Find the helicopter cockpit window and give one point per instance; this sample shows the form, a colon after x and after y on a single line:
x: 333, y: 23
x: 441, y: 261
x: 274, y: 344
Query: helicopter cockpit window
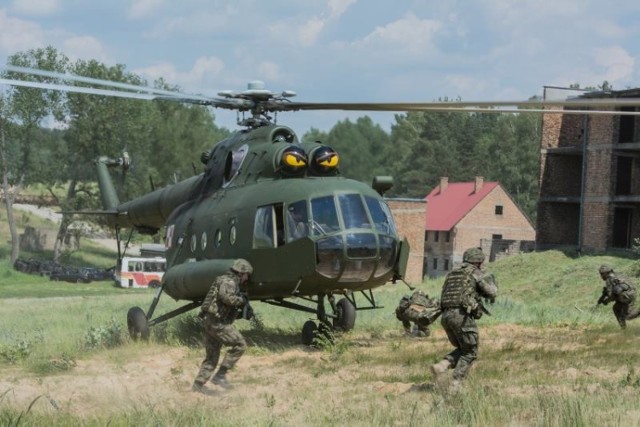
x: 324, y: 215
x: 297, y: 220
x: 354, y: 214
x: 233, y: 163
x: 381, y: 215
x: 264, y: 228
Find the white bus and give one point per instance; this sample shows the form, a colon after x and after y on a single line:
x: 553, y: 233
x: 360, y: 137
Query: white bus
x: 140, y: 272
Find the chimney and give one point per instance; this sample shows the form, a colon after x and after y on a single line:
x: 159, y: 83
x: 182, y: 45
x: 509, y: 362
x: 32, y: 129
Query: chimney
x: 479, y: 182
x: 444, y: 182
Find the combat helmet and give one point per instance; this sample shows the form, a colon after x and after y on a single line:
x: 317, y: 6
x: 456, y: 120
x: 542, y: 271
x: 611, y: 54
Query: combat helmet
x: 605, y: 269
x: 473, y: 255
x: 242, y: 266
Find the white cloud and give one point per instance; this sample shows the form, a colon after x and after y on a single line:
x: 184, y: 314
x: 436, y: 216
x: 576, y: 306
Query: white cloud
x: 409, y: 35
x: 143, y: 8
x: 204, y: 69
x: 35, y: 7
x: 85, y: 47
x: 269, y: 71
x: 338, y: 7
x: 617, y: 62
x: 311, y: 29
x: 17, y: 34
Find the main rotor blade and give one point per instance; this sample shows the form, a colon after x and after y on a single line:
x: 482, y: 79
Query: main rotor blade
x: 233, y: 104
x: 89, y: 80
x: 78, y: 89
x: 448, y: 106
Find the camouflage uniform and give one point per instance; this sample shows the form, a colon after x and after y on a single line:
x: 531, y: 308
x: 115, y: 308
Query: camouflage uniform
x: 221, y: 308
x: 622, y: 291
x: 414, y: 308
x: 461, y: 306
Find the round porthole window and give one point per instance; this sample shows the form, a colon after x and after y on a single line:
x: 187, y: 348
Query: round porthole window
x: 218, y: 238
x: 232, y: 234
x: 203, y: 241
x: 194, y: 243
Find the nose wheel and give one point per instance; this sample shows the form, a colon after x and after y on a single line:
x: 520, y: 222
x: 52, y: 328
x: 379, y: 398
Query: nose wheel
x: 344, y: 319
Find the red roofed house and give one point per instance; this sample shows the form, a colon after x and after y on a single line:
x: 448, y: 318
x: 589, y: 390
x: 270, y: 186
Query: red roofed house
x: 462, y: 215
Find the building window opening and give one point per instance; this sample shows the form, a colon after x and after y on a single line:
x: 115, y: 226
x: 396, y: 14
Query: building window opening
x: 499, y: 209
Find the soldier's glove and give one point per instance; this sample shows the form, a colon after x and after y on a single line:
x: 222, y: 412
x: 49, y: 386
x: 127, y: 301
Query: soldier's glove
x: 491, y: 300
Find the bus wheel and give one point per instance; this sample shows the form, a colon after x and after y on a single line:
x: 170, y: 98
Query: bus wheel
x: 137, y: 324
x: 154, y: 284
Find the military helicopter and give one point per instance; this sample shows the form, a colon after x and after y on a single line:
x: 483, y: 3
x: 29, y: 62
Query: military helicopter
x: 310, y: 233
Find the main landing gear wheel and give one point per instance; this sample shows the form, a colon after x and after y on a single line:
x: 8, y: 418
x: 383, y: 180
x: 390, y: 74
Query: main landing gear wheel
x: 137, y: 324
x: 345, y: 318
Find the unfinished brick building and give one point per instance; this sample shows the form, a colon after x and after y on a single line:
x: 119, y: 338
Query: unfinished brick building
x: 589, y: 180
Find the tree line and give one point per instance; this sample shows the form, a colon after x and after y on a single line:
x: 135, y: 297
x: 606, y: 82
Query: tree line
x: 166, y: 139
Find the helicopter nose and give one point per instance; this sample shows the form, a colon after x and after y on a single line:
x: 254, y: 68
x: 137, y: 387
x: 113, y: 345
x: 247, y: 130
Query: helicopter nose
x: 355, y: 257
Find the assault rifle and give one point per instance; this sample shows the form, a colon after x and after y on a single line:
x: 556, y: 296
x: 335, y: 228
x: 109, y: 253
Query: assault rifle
x: 604, y: 298
x: 246, y: 312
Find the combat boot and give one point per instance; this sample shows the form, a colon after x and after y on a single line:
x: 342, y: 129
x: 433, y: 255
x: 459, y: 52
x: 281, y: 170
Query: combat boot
x: 439, y: 371
x: 201, y: 388
x: 455, y: 387
x: 440, y: 368
x: 220, y: 378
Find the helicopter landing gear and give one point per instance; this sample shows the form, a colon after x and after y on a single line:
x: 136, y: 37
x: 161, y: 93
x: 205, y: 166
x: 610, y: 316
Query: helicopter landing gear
x: 344, y: 319
x: 137, y: 324
x: 311, y: 331
x: 345, y: 314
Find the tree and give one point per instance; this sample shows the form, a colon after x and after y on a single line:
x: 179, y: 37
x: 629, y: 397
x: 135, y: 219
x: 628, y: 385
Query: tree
x: 360, y: 145
x: 27, y: 107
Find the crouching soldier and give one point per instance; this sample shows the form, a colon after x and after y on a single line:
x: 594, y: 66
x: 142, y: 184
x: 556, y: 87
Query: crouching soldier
x: 420, y: 310
x: 622, y: 292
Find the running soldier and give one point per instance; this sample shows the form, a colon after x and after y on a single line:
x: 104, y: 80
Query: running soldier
x: 461, y: 304
x: 221, y: 307
x: 620, y: 290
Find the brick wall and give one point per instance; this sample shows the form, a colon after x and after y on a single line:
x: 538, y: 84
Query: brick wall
x: 482, y: 223
x: 409, y: 216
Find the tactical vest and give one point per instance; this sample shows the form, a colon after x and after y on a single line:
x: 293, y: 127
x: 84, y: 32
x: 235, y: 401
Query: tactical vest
x: 459, y: 289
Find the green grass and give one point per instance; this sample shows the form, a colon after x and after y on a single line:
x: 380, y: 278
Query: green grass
x: 548, y: 355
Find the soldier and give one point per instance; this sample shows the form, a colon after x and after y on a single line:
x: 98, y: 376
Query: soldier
x: 621, y: 290
x: 219, y: 310
x: 419, y: 309
x: 461, y: 306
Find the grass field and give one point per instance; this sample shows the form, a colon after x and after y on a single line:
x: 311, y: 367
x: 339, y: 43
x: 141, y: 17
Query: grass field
x: 548, y: 356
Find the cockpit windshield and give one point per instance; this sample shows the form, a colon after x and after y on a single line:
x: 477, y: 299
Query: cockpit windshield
x: 355, y: 234
x: 324, y: 216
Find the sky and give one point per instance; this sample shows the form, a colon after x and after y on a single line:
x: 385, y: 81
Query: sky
x: 343, y: 50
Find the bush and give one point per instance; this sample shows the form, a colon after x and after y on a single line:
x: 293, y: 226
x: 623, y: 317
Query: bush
x: 107, y: 336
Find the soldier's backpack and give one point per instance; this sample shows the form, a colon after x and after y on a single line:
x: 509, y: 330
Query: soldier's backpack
x: 623, y: 292
x: 419, y: 308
